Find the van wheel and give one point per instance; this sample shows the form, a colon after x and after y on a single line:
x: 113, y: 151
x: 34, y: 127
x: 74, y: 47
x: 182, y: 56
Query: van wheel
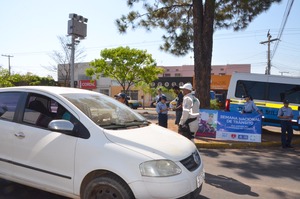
x: 108, y: 187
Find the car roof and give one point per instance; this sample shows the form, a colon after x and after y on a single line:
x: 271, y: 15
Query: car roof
x: 47, y: 89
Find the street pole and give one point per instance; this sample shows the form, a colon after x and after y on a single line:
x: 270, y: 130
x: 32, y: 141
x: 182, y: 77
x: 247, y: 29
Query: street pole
x: 268, y: 68
x: 8, y: 56
x: 72, y: 60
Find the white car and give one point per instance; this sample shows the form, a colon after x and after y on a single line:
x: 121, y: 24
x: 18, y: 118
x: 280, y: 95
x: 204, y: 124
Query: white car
x: 82, y: 144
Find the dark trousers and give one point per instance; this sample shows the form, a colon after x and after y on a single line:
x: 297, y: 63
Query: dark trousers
x: 163, y: 120
x: 185, y: 131
x: 178, y: 116
x: 286, y: 126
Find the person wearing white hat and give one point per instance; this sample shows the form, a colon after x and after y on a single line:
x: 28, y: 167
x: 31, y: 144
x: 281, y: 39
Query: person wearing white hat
x: 189, y: 121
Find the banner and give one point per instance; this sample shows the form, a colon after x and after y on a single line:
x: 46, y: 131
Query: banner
x: 207, y: 123
x: 239, y: 127
x: 230, y: 126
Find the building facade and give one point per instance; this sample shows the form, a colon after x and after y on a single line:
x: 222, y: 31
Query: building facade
x: 188, y: 70
x: 173, y: 75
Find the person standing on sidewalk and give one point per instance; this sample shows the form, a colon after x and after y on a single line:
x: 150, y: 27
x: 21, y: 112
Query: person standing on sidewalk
x: 250, y: 106
x: 178, y: 108
x: 159, y: 95
x: 189, y: 121
x: 162, y: 110
x: 285, y: 114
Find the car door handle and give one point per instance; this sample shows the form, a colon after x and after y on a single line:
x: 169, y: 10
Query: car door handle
x: 20, y: 135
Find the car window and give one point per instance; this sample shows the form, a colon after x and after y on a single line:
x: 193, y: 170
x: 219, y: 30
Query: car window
x: 36, y: 111
x: 41, y: 110
x: 8, y: 104
x: 103, y: 110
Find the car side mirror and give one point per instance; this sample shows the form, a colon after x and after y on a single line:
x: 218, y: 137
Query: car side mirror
x: 61, y: 125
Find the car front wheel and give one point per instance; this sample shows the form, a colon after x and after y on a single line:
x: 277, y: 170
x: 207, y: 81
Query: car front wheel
x: 108, y: 187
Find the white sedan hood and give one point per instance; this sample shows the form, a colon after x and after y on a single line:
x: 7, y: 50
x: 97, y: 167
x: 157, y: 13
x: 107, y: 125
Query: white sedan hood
x: 153, y: 141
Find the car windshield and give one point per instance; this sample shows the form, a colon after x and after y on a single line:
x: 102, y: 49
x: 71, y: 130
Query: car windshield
x: 106, y: 111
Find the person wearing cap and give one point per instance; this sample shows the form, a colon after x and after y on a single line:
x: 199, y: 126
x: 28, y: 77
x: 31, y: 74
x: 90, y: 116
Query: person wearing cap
x: 121, y: 97
x: 178, y: 107
x: 250, y: 106
x: 159, y: 95
x: 285, y: 114
x: 189, y: 121
x: 162, y: 110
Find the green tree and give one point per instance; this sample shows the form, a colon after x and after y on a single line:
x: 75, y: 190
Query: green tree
x: 190, y: 24
x: 125, y: 65
x: 7, y: 80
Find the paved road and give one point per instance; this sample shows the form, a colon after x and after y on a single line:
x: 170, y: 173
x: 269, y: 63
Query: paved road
x: 230, y: 174
x: 245, y: 173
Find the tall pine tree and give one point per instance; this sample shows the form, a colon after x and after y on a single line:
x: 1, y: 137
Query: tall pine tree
x: 189, y: 26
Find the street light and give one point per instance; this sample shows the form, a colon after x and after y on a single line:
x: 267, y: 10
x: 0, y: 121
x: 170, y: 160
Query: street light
x: 77, y: 28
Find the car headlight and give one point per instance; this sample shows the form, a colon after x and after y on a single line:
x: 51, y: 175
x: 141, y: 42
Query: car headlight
x: 159, y: 168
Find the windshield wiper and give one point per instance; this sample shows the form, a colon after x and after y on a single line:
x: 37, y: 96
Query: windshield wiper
x: 132, y: 123
x: 113, y: 126
x: 138, y: 123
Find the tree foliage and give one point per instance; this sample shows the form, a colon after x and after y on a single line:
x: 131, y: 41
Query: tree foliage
x: 125, y: 65
x: 189, y: 26
x: 7, y: 80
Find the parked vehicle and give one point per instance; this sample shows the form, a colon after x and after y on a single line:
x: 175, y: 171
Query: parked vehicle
x: 134, y: 104
x: 268, y: 93
x: 83, y: 144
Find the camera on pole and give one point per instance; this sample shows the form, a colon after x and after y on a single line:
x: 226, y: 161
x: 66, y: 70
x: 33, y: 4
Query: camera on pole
x: 77, y: 28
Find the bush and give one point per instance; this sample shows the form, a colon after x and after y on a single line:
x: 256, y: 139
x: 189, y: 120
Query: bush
x: 214, y: 104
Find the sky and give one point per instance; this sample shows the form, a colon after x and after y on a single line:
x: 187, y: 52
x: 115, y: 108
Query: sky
x: 29, y: 31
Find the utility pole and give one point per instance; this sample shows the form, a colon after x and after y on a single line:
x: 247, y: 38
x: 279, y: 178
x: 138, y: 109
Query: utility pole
x: 268, y: 68
x: 8, y: 56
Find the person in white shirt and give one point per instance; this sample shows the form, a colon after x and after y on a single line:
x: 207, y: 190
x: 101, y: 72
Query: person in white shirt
x: 189, y: 121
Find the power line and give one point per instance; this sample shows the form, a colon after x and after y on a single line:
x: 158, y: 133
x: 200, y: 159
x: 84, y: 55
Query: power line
x: 283, y: 23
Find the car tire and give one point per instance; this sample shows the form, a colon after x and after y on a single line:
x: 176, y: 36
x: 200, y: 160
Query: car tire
x: 109, y: 187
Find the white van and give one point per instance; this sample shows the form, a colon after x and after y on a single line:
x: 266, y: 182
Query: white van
x: 83, y: 144
x: 268, y: 93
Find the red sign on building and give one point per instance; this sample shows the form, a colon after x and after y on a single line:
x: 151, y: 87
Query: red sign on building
x: 87, y: 84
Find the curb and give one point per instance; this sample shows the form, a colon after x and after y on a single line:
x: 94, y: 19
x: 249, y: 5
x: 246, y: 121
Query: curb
x: 239, y: 145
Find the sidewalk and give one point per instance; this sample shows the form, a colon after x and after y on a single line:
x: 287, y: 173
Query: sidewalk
x: 270, y: 135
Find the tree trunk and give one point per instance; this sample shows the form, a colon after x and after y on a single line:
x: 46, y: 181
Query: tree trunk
x: 203, y: 36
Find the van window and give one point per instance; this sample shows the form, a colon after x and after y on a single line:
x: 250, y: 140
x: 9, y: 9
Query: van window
x: 276, y: 91
x: 253, y: 88
x: 279, y: 92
